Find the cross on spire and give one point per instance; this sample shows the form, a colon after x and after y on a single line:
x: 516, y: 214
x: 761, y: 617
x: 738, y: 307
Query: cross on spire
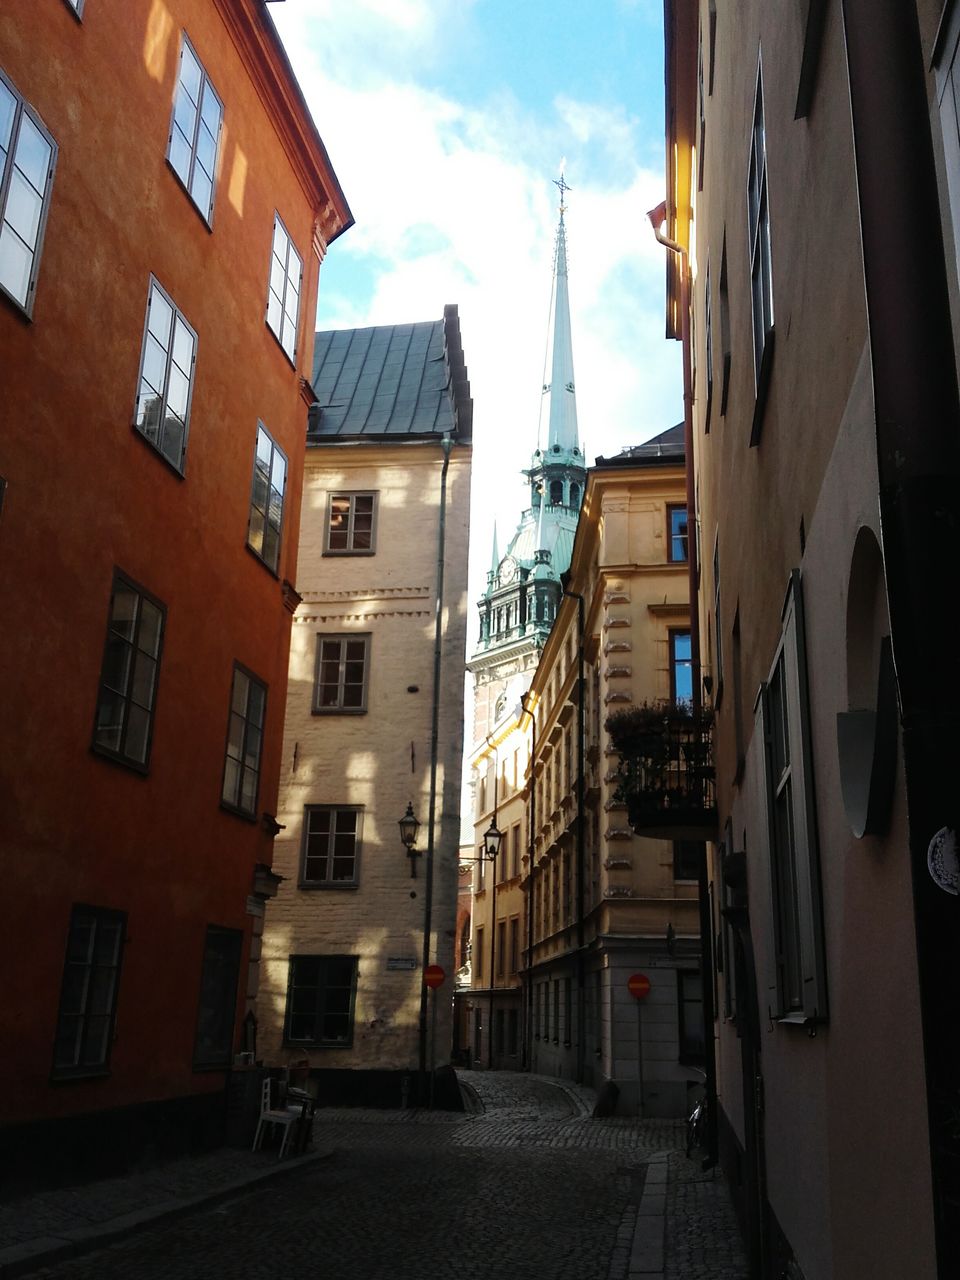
x: 564, y: 186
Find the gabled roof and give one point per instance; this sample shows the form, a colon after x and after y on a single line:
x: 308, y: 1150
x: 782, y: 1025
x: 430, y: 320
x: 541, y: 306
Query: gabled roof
x: 391, y: 380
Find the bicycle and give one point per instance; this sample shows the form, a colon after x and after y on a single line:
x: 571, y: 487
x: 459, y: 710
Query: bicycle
x: 697, y: 1123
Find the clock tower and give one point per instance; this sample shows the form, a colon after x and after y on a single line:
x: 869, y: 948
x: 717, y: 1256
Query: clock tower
x: 523, y: 588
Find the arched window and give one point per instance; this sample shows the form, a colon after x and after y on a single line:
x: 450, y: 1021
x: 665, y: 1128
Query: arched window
x: 556, y: 492
x: 574, y: 495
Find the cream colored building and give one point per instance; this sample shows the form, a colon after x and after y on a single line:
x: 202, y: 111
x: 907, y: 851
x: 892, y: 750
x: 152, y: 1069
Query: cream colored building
x: 813, y: 184
x: 374, y: 717
x: 607, y: 904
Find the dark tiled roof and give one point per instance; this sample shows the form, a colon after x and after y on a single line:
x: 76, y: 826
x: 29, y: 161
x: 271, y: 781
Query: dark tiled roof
x: 391, y: 380
x: 668, y: 445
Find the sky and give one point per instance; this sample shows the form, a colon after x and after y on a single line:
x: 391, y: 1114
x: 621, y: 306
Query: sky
x: 447, y: 122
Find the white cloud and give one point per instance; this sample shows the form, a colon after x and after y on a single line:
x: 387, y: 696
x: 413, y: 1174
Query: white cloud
x: 453, y: 203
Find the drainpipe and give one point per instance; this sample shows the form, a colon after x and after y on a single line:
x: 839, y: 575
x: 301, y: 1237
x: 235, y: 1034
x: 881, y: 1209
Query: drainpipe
x: 493, y: 901
x: 581, y: 839
x: 446, y: 444
x: 532, y: 845
x: 918, y: 462
x: 657, y: 218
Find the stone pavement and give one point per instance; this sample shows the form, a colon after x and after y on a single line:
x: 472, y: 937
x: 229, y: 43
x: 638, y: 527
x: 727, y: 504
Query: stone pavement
x: 525, y: 1181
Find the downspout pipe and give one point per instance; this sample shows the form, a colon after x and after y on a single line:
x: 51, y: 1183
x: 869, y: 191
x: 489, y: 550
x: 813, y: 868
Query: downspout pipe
x: 493, y: 901
x: 581, y: 840
x: 532, y: 846
x: 917, y: 423
x: 446, y: 444
x: 658, y: 217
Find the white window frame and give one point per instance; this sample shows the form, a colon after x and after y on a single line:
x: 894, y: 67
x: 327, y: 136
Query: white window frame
x: 20, y: 116
x: 267, y: 498
x: 342, y: 640
x: 946, y: 65
x: 176, y: 326
x: 185, y: 167
x: 286, y: 266
x: 759, y: 246
x: 797, y: 911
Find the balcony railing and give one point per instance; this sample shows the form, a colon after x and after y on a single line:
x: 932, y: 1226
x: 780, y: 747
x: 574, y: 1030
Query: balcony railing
x: 666, y: 774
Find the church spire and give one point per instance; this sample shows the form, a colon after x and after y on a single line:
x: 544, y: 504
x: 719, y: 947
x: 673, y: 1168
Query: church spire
x: 562, y: 421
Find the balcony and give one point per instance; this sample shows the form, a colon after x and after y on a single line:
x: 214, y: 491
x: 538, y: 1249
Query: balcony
x: 666, y: 775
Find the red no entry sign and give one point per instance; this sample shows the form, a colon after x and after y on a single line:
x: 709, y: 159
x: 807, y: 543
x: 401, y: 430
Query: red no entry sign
x: 433, y: 975
x: 638, y: 985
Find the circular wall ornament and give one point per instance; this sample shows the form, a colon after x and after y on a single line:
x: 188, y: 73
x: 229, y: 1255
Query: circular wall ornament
x: 942, y: 862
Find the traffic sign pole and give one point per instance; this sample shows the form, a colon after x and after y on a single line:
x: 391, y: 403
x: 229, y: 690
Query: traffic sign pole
x: 434, y: 977
x: 638, y: 984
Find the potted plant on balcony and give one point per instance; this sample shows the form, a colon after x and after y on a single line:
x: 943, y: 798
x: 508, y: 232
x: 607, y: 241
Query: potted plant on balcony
x: 666, y: 772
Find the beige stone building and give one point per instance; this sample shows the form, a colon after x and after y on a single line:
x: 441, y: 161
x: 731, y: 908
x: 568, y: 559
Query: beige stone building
x: 607, y: 904
x: 812, y: 192
x: 374, y: 717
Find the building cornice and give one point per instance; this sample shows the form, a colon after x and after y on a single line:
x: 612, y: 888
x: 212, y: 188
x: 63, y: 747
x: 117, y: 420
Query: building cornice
x: 253, y: 33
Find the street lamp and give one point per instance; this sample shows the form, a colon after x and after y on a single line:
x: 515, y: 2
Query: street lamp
x: 491, y: 840
x: 409, y: 826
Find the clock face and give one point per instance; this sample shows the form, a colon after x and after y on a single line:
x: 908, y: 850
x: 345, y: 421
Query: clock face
x: 508, y: 569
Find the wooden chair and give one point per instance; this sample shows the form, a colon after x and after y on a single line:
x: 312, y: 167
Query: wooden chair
x: 287, y: 1119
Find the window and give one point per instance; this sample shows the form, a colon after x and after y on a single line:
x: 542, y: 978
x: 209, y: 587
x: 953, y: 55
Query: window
x: 241, y: 772
x: 351, y: 524
x: 795, y: 873
x: 217, y: 1008
x: 724, y: 292
x: 717, y: 623
x: 320, y: 1001
x: 677, y: 522
x: 758, y: 221
x: 501, y: 948
x: 681, y: 668
x: 814, y: 22
x: 283, y: 291
x: 195, y: 131
x: 701, y: 113
x: 341, y: 680
x: 708, y: 345
x: 515, y: 852
x: 266, y: 501
x: 478, y: 956
x: 692, y: 1046
x: 514, y: 945
x: 331, y: 846
x: 687, y: 858
x: 88, y: 997
x: 556, y: 492
x: 28, y: 155
x: 167, y: 361
x: 575, y: 496
x: 128, y: 676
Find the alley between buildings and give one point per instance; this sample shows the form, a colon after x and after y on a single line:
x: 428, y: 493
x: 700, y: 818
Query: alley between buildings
x: 525, y: 1182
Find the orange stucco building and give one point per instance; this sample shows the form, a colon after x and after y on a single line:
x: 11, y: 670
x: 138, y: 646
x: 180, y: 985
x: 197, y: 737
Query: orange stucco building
x: 165, y: 201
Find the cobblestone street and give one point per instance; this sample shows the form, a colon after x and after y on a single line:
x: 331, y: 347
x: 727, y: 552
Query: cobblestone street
x: 525, y: 1184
